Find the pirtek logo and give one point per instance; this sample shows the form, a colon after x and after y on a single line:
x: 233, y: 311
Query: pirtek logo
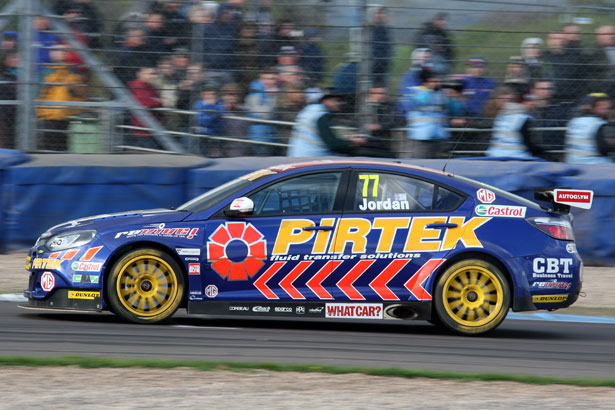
x: 415, y: 233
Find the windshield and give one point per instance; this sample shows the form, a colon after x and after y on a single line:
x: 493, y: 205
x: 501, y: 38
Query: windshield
x: 213, y: 196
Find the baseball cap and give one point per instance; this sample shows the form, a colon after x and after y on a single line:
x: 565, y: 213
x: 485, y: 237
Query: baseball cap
x: 477, y: 61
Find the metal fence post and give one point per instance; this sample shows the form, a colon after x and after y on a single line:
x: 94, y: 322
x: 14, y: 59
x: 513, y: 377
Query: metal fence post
x: 27, y: 76
x: 364, y: 63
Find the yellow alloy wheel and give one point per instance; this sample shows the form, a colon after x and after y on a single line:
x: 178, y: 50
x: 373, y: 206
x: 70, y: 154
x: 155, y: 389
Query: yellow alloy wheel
x: 472, y: 297
x: 146, y: 285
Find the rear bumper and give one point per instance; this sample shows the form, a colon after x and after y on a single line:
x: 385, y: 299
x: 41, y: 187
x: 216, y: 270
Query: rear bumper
x: 545, y: 301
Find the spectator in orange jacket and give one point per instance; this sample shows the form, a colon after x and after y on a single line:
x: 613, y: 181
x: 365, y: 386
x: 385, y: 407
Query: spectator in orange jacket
x: 61, y: 84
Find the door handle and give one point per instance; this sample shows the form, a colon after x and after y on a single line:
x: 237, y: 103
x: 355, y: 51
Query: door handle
x: 318, y: 228
x: 441, y: 226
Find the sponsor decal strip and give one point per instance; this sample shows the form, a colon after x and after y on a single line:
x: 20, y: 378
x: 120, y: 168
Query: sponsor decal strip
x: 345, y: 284
x: 415, y: 283
x: 354, y: 310
x: 68, y: 255
x: 287, y: 283
x: 77, y: 294
x: 379, y: 284
x: 549, y: 298
x: 261, y: 282
x: 91, y: 253
x: 315, y: 284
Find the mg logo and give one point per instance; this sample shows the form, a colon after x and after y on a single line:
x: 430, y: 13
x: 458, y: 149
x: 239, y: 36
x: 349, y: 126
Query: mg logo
x: 211, y: 291
x: 485, y: 196
x: 48, y: 281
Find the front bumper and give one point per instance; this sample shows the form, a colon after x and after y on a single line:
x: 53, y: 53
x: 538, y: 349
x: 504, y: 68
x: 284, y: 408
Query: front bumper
x: 67, y: 299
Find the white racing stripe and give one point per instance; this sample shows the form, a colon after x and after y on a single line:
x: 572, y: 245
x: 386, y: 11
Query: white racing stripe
x: 13, y: 297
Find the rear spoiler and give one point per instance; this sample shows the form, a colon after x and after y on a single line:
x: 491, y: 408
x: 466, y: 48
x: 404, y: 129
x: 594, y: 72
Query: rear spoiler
x: 563, y: 198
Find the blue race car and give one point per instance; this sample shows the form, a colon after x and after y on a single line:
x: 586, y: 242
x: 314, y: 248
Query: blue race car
x: 322, y: 240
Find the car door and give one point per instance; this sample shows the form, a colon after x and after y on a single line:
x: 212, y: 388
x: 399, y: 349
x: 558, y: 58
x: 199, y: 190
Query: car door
x: 394, y: 228
x: 274, y: 254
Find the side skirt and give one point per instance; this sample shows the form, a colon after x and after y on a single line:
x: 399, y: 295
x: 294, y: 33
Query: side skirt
x: 322, y: 310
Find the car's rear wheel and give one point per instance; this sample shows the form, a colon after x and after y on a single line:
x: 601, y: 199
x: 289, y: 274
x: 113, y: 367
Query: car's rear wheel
x: 145, y: 286
x: 472, y: 297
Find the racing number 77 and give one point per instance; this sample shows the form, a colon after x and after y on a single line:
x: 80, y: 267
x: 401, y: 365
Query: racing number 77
x: 366, y: 178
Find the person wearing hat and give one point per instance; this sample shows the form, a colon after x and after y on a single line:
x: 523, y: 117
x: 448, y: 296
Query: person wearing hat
x: 531, y: 52
x: 313, y: 134
x: 590, y: 139
x: 512, y: 131
x: 476, y: 87
x: 428, y: 109
x: 517, y: 76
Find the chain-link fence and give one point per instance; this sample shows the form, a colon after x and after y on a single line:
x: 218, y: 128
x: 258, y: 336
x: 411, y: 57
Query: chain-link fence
x: 230, y: 78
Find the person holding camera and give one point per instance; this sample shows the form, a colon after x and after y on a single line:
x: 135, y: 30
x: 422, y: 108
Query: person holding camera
x: 428, y: 108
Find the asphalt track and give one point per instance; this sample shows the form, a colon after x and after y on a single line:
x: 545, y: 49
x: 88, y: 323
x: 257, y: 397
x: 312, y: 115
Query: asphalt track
x: 542, y: 348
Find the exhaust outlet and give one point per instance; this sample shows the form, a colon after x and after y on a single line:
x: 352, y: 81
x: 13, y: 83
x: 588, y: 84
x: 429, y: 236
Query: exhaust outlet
x: 401, y: 312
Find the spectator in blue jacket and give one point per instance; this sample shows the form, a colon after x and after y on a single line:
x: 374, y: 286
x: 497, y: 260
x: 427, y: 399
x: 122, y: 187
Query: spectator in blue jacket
x: 476, y: 87
x: 45, y: 40
x: 207, y: 119
x: 420, y: 58
x: 260, y: 104
x: 428, y: 109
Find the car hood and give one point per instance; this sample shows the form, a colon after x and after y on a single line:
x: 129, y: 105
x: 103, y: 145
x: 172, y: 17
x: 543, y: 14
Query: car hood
x: 121, y: 218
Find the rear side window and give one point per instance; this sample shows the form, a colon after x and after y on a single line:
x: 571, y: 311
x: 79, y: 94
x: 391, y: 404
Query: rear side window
x: 382, y: 192
x: 314, y: 193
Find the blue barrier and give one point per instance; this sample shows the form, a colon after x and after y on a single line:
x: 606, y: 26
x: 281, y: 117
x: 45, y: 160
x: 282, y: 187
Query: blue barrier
x: 50, y: 189
x: 8, y: 158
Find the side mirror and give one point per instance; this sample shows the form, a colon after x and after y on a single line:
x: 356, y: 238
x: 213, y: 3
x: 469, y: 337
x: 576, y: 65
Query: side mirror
x: 240, y: 207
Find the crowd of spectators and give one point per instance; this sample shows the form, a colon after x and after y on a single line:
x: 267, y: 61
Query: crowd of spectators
x: 234, y: 75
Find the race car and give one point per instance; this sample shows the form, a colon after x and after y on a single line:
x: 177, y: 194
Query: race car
x: 327, y: 240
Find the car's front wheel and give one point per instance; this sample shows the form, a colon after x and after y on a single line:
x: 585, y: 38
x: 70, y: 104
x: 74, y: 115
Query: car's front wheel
x: 145, y: 286
x: 472, y: 297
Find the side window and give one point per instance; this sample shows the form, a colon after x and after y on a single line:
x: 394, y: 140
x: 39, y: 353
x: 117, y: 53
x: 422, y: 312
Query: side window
x: 303, y: 194
x: 389, y: 192
x: 447, y: 200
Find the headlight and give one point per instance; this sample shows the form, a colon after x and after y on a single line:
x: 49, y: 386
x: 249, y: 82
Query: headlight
x: 69, y: 240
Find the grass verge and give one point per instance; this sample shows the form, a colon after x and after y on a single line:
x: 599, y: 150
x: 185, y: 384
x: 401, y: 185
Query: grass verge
x: 101, y: 362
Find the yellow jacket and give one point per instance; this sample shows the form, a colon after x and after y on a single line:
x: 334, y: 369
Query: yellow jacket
x: 70, y: 88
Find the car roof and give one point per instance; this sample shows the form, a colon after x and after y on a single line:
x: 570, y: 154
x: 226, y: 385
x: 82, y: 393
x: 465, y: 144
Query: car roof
x: 353, y: 164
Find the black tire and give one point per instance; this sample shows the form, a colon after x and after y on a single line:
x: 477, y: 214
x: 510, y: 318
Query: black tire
x: 472, y: 297
x: 145, y: 286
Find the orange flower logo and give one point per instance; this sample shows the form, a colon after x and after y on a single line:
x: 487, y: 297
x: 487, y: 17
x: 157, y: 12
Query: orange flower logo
x: 236, y: 250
